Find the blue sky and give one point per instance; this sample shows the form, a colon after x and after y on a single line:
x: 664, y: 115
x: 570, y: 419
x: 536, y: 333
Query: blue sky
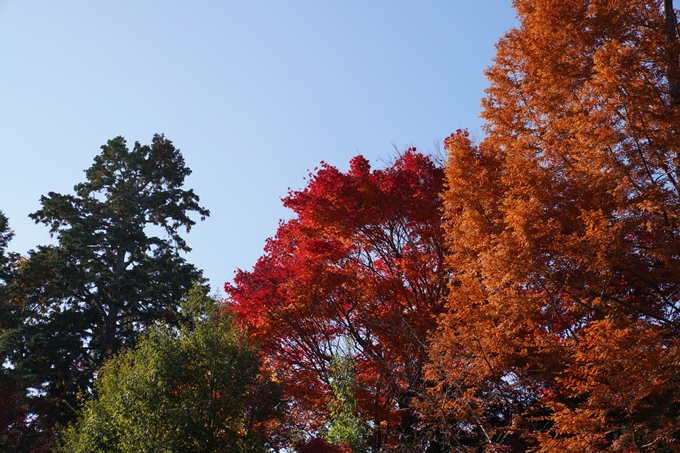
x: 254, y: 93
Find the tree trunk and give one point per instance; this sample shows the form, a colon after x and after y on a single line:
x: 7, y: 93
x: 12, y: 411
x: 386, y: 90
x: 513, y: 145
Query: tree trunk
x: 673, y: 72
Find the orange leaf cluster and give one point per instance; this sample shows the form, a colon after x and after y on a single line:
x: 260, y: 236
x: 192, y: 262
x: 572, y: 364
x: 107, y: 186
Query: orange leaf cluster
x: 563, y: 230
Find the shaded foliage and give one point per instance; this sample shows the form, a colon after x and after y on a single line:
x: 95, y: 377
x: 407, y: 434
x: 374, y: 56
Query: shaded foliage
x: 346, y: 425
x: 18, y: 431
x: 107, y: 279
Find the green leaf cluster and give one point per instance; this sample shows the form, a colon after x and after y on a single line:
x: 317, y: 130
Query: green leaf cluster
x: 347, y: 426
x: 197, y: 388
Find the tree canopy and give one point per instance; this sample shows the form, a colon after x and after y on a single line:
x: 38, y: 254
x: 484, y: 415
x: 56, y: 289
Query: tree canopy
x: 194, y: 389
x: 108, y: 278
x: 562, y: 228
x: 523, y: 296
x: 362, y: 260
x: 17, y: 430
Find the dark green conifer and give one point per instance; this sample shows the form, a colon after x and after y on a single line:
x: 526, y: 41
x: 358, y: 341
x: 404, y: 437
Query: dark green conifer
x: 110, y: 276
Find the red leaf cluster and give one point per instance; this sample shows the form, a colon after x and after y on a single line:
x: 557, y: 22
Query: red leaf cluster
x: 362, y: 261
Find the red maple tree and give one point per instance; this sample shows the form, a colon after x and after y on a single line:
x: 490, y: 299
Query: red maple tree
x: 359, y: 269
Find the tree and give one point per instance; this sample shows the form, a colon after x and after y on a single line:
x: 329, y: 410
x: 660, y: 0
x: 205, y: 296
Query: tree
x: 346, y: 424
x: 194, y: 389
x: 362, y: 260
x: 563, y: 327
x: 6, y: 321
x: 5, y: 236
x: 108, y: 278
x: 6, y: 267
x: 17, y: 430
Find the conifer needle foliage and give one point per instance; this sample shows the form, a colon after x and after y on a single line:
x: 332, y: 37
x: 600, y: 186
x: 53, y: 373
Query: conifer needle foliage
x: 108, y: 278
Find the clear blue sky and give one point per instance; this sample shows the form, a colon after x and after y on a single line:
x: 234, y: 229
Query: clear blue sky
x: 254, y: 93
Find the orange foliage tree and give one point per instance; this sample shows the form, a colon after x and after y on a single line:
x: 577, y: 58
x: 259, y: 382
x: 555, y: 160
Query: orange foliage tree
x: 563, y: 327
x: 358, y: 270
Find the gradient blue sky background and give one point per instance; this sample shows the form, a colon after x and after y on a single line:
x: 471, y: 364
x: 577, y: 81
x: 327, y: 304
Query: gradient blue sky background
x: 254, y: 93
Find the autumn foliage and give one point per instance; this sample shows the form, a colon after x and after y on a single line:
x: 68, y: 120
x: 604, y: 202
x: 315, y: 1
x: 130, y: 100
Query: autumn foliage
x: 360, y: 266
x: 561, y: 329
x: 523, y: 296
x: 562, y: 226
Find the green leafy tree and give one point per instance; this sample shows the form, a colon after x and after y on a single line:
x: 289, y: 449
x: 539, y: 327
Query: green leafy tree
x: 108, y: 278
x: 347, y: 426
x: 194, y: 389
